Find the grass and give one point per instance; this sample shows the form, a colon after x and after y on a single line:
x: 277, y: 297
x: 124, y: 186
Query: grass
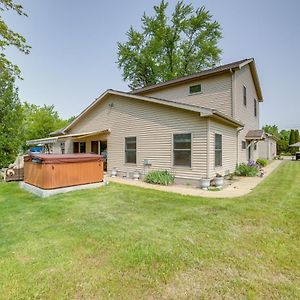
x: 122, y: 242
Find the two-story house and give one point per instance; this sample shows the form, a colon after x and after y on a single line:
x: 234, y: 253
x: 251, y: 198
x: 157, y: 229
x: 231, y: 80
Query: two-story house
x: 194, y: 126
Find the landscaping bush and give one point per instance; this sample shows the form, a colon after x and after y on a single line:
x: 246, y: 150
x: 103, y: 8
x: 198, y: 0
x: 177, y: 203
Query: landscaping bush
x: 159, y: 177
x: 262, y: 162
x: 249, y: 170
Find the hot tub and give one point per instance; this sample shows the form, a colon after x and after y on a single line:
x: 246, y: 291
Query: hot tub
x: 51, y: 171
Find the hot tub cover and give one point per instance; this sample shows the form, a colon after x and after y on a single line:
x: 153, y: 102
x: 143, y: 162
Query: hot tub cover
x: 63, y: 158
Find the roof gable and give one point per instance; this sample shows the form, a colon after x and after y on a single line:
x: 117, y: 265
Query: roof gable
x: 207, y: 73
x: 203, y: 111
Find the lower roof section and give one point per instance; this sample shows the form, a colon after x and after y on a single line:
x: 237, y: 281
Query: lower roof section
x: 255, y: 135
x: 53, y: 140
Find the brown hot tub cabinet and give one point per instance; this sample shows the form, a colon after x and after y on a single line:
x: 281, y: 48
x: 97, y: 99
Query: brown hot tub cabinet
x: 51, y: 171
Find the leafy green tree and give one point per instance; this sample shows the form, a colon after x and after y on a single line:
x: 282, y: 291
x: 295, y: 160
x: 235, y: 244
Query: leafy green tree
x: 169, y: 47
x: 10, y: 37
x: 69, y: 121
x: 39, y: 122
x: 272, y: 129
x: 11, y: 118
x: 292, y: 139
x: 297, y: 137
x: 285, y: 135
x: 282, y: 146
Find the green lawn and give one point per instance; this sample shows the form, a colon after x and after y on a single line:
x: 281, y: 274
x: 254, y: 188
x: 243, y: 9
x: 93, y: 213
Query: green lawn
x: 121, y: 242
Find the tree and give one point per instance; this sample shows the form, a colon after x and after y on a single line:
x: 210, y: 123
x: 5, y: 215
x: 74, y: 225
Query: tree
x: 40, y: 121
x: 272, y: 129
x: 170, y: 47
x: 11, y: 118
x: 282, y: 146
x: 285, y: 135
x: 10, y: 37
x: 292, y: 139
x: 297, y: 137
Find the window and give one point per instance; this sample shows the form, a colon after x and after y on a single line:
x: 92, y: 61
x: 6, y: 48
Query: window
x: 82, y: 147
x: 245, y: 95
x: 130, y: 150
x: 79, y: 147
x: 255, y: 108
x: 75, y: 147
x: 182, y: 148
x: 62, y: 147
x: 95, y: 147
x: 218, y: 150
x: 243, y: 145
x: 195, y: 89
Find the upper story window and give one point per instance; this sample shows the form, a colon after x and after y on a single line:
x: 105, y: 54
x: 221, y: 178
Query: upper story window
x: 130, y: 150
x: 182, y: 149
x: 245, y: 95
x: 255, y: 108
x: 218, y: 150
x: 195, y: 89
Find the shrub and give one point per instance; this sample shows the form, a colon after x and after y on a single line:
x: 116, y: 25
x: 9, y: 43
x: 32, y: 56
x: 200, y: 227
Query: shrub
x: 262, y: 162
x: 159, y: 177
x: 249, y: 170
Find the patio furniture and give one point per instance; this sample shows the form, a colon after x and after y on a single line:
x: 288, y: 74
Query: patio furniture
x: 12, y: 174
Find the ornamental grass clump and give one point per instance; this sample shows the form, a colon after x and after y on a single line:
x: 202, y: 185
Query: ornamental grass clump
x: 262, y: 162
x: 249, y: 170
x: 159, y: 177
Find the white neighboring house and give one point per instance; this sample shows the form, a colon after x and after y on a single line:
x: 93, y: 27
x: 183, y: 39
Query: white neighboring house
x: 268, y: 147
x: 194, y: 126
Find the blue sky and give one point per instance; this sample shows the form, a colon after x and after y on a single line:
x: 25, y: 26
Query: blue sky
x: 74, y: 49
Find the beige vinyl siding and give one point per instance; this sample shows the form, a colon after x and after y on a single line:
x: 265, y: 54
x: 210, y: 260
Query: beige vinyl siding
x: 273, y: 149
x: 267, y: 148
x: 154, y: 126
x: 215, y: 93
x: 243, y: 113
x: 264, y: 149
x: 56, y: 149
x: 229, y: 148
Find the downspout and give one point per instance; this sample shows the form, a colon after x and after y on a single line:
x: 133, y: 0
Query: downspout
x: 208, y: 149
x: 233, y: 91
x: 237, y: 144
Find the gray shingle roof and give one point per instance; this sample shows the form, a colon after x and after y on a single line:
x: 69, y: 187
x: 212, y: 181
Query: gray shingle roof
x: 255, y: 134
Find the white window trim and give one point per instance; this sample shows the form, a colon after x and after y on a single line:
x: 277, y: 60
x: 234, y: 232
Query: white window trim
x: 255, y: 108
x: 172, y: 152
x: 245, y: 145
x: 79, y: 151
x: 196, y: 93
x: 214, y: 137
x: 245, y: 88
x: 136, y: 151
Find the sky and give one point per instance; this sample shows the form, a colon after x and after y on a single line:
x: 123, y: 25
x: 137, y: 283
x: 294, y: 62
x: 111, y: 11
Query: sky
x: 74, y: 49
